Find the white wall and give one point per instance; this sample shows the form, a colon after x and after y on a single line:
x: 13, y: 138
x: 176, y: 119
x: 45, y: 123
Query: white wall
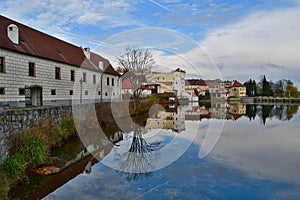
x: 16, y: 77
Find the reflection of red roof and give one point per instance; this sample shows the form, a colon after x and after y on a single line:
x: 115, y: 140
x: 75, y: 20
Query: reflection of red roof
x: 237, y: 84
x: 237, y: 116
x: 179, y: 70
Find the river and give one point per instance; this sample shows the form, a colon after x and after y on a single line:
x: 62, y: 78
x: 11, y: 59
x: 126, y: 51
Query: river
x: 213, y: 151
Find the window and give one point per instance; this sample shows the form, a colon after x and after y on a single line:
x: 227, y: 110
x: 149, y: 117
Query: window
x: 99, y: 93
x: 21, y: 91
x: 106, y: 94
x: 2, y: 65
x: 94, y: 79
x: 57, y: 73
x: 86, y: 92
x: 53, y: 92
x: 71, y: 92
x: 31, y: 69
x: 72, y: 75
x: 113, y: 94
x: 84, y: 77
x: 2, y: 91
x: 112, y: 82
x: 107, y: 80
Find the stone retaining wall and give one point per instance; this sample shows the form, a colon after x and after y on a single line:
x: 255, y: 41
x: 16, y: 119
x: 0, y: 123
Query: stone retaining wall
x: 13, y: 122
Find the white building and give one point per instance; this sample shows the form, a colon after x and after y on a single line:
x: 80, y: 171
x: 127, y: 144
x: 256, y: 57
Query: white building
x: 38, y: 69
x: 169, y: 82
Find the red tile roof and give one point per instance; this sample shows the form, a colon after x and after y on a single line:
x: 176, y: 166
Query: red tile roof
x: 35, y: 43
x: 179, y: 70
x: 237, y: 84
x: 199, y: 82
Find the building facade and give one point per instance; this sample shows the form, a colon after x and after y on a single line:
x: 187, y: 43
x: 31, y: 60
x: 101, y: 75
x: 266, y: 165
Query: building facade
x: 169, y: 82
x: 37, y: 69
x: 237, y: 90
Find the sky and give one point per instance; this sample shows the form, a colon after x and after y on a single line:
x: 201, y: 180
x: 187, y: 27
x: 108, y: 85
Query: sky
x: 227, y: 39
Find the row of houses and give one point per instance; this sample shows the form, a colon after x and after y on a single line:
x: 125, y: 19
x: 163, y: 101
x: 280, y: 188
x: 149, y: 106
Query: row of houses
x: 216, y: 88
x: 176, y: 82
x: 38, y: 69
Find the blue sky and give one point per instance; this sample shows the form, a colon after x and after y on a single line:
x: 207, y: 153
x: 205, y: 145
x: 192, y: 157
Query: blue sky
x: 240, y: 39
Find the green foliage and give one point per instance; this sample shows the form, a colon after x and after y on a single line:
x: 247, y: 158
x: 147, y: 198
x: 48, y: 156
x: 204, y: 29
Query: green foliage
x: 266, y: 89
x: 206, y: 96
x: 35, y: 149
x: 251, y: 88
x: 291, y: 91
x: 15, y: 166
x: 291, y: 110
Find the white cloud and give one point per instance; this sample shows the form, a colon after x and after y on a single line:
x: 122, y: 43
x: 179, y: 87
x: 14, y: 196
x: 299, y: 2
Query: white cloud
x: 58, y: 17
x: 263, y: 43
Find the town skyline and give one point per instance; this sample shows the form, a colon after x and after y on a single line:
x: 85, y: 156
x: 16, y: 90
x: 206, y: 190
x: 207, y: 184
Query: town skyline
x: 240, y: 39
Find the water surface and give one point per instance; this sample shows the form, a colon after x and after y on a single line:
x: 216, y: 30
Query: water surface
x: 255, y: 155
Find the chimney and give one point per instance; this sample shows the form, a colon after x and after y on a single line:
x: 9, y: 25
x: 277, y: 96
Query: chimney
x: 13, y: 33
x: 87, y: 53
x: 101, y: 65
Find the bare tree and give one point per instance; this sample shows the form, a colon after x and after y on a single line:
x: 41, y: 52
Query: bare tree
x: 136, y: 62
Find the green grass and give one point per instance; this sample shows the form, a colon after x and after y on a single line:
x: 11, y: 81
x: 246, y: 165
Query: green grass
x: 33, y: 150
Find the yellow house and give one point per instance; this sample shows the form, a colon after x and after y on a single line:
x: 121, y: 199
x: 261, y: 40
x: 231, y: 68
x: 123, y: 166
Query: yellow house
x: 237, y: 90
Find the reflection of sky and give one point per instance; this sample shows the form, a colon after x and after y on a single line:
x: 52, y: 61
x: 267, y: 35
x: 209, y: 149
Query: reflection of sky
x: 250, y: 161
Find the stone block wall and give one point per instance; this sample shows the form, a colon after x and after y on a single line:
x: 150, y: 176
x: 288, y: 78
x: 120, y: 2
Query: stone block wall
x: 13, y: 122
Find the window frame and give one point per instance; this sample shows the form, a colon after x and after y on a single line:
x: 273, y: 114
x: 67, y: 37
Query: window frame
x: 22, y: 92
x: 31, y: 71
x: 94, y: 78
x: 53, y: 92
x: 84, y: 77
x: 72, y: 75
x: 2, y: 64
x: 57, y: 73
x: 2, y: 90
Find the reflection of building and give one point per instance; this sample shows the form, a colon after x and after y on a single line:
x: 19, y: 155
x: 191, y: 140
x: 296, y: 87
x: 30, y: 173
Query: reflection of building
x: 172, y: 118
x: 216, y: 111
x: 169, y: 82
x: 38, y: 69
x: 237, y: 108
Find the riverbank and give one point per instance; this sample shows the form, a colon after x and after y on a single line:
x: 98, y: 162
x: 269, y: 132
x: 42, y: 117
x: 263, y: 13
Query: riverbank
x: 32, y: 150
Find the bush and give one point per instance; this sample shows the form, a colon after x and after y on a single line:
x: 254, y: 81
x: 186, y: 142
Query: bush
x: 15, y: 166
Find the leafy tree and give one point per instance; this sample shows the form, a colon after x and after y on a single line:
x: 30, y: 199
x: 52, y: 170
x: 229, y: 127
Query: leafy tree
x: 291, y: 91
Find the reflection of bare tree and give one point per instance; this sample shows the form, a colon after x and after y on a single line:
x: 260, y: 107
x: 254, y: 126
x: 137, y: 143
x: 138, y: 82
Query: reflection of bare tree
x: 137, y: 162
